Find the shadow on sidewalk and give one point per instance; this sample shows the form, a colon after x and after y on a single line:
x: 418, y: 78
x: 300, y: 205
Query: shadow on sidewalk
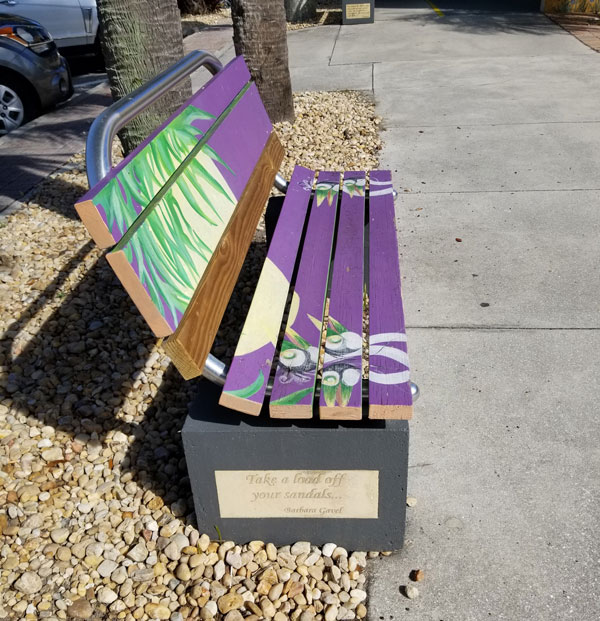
x: 471, y: 17
x: 472, y: 6
x: 30, y: 154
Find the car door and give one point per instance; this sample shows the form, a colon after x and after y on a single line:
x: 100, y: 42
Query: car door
x: 64, y: 19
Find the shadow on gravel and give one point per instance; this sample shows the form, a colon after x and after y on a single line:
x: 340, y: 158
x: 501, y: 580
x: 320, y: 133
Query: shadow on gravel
x: 87, y: 370
x: 53, y: 193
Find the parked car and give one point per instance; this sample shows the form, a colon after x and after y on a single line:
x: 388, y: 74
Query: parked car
x: 73, y: 24
x: 33, y: 75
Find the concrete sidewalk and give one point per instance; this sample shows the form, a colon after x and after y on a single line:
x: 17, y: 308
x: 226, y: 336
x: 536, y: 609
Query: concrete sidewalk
x: 493, y: 134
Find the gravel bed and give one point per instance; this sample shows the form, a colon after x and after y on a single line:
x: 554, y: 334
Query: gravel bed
x: 96, y: 515
x: 195, y: 23
x: 327, y: 14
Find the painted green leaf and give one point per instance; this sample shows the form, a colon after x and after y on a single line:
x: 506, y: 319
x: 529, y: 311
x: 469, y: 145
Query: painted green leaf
x: 345, y: 393
x: 337, y: 326
x: 167, y: 249
x: 293, y: 398
x: 215, y: 156
x: 248, y: 391
x: 300, y: 343
x: 321, y: 195
x: 201, y: 114
x: 329, y: 394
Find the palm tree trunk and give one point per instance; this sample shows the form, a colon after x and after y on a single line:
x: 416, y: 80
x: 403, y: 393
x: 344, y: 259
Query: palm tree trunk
x: 260, y: 34
x: 141, y: 38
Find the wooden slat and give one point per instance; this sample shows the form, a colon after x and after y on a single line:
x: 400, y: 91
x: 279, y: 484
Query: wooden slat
x: 139, y: 294
x: 170, y: 245
x: 341, y: 384
x: 110, y: 207
x: 189, y: 346
x: 295, y: 378
x: 389, y: 386
x: 251, y: 365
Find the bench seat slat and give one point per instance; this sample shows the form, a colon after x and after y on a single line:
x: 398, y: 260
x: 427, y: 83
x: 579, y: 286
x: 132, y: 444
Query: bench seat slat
x: 295, y: 378
x: 389, y: 386
x: 168, y: 248
x: 110, y: 207
x: 249, y: 371
x: 341, y: 385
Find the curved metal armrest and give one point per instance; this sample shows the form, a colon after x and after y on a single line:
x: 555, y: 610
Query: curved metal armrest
x: 98, y: 151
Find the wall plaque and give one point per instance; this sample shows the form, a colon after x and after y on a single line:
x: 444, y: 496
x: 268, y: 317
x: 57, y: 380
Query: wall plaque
x: 358, y: 12
x: 298, y: 493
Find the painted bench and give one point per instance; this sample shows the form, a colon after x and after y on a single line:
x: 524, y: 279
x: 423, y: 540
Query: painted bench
x: 179, y: 214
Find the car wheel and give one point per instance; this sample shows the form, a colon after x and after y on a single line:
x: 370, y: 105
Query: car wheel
x: 15, y: 107
x: 98, y: 48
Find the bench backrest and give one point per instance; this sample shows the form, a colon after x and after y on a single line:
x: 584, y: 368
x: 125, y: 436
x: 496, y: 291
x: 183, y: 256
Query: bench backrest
x: 180, y: 211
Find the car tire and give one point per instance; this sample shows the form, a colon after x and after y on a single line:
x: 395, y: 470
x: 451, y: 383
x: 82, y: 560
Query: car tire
x: 98, y: 52
x: 17, y: 105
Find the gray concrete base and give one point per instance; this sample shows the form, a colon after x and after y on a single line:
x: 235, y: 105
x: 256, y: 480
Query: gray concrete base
x: 219, y: 439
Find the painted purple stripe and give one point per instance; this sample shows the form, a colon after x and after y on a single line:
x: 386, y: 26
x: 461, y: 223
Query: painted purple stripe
x: 213, y: 97
x: 246, y: 368
x: 241, y: 139
x: 342, y: 373
x: 239, y: 143
x: 303, y: 337
x: 386, y: 316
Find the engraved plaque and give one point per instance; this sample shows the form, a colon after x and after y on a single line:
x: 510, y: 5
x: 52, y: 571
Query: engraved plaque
x: 298, y: 493
x: 358, y: 11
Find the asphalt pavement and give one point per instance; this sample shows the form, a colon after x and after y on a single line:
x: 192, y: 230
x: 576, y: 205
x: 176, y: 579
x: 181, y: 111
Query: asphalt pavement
x: 37, y: 149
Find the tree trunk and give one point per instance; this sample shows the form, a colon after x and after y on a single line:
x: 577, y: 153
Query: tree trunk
x: 260, y: 34
x: 300, y: 10
x: 141, y: 38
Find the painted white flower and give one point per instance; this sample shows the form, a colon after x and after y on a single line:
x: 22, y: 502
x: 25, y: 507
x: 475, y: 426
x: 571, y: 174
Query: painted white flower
x: 351, y: 377
x: 343, y: 343
x: 293, y: 358
x: 331, y: 378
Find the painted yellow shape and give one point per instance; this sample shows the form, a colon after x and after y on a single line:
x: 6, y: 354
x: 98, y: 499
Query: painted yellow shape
x: 264, y: 317
x: 292, y: 336
x: 294, y: 307
x: 435, y: 8
x: 318, y: 324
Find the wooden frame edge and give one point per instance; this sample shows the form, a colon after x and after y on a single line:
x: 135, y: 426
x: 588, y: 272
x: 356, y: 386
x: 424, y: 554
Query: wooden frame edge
x: 130, y: 281
x: 291, y: 411
x: 183, y: 362
x: 390, y: 412
x: 245, y: 406
x: 95, y: 225
x: 340, y: 413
